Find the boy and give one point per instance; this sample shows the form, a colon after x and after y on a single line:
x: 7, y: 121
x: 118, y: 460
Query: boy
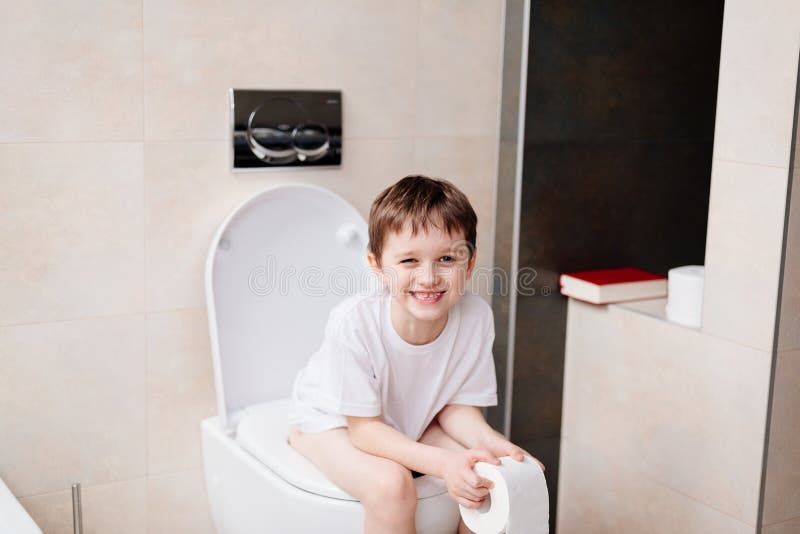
x: 396, y: 385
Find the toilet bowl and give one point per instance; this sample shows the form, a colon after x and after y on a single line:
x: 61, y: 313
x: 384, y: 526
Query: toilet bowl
x: 275, y: 268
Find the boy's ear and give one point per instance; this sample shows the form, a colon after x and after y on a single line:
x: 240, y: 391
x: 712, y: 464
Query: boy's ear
x: 471, y: 264
x: 373, y: 262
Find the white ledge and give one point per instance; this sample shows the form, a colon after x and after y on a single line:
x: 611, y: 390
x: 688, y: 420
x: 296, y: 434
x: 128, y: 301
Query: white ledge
x: 655, y: 308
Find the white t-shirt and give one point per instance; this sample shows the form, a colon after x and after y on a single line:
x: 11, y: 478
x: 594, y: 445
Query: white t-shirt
x: 364, y: 368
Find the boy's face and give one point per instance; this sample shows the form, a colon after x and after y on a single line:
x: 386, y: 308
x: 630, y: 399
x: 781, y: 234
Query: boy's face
x: 425, y: 273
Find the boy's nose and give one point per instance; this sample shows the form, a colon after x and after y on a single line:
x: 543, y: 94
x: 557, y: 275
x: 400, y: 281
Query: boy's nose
x: 426, y: 273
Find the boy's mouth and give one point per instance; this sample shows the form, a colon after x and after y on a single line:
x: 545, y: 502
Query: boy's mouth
x: 427, y: 296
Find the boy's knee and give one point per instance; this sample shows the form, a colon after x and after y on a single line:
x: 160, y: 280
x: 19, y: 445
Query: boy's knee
x: 394, y: 486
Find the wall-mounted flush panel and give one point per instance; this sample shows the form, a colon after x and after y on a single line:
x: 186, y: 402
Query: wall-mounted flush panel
x: 286, y: 128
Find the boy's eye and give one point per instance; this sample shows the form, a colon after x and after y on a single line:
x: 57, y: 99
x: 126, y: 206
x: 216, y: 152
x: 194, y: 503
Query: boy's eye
x: 407, y: 260
x: 448, y: 259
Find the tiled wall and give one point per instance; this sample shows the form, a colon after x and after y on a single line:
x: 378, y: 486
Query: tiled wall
x: 781, y: 510
x: 619, y: 128
x: 664, y: 426
x: 114, y: 158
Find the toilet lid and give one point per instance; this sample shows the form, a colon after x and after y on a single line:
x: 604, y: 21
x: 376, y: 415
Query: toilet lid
x: 263, y: 432
x: 275, y: 268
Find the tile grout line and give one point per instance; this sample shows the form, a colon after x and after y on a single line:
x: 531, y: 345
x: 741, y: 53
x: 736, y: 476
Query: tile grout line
x: 752, y: 164
x: 103, y: 316
x: 782, y: 521
x: 467, y: 135
x: 144, y: 478
x: 689, y: 328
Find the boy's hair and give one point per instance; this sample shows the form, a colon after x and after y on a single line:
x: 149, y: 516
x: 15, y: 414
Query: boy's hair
x: 421, y: 201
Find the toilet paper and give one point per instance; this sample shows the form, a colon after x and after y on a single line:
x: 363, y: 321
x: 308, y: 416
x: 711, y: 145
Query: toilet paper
x: 685, y: 295
x: 517, y: 504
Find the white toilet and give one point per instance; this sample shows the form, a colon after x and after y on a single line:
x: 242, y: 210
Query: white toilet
x: 276, y: 267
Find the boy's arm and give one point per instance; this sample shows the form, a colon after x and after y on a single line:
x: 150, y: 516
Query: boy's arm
x: 466, y: 425
x: 372, y: 435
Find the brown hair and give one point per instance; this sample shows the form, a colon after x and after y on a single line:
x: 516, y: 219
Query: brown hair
x: 421, y: 201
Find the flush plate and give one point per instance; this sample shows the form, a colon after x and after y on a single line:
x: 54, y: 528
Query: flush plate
x: 280, y: 129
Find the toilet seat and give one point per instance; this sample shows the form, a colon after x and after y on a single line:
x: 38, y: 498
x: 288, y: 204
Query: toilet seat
x: 262, y: 431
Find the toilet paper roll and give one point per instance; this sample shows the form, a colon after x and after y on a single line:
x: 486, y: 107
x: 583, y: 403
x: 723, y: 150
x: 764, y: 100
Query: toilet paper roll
x: 517, y: 504
x: 685, y: 295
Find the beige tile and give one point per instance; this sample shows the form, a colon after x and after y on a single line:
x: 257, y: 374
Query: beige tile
x: 190, y: 190
x: 187, y: 58
x: 368, y: 53
x: 782, y: 492
x: 787, y: 527
x: 72, y: 396
x: 177, y: 502
x: 180, y: 388
x: 682, y: 408
x: 471, y: 164
x: 369, y: 167
x: 71, y: 231
x: 588, y: 338
x: 52, y: 512
x: 459, y: 67
x: 743, y: 250
x: 118, y: 507
x: 74, y: 71
x: 757, y: 82
x: 597, y: 496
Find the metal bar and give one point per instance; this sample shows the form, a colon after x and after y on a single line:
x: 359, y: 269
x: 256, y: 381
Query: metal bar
x: 77, y: 513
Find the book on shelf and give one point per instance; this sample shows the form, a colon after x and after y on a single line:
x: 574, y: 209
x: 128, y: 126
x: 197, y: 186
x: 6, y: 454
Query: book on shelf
x: 604, y: 286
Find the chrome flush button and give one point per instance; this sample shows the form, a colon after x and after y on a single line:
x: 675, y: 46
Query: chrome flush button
x: 286, y: 128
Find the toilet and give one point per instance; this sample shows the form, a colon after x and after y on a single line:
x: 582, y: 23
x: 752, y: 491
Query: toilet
x: 275, y: 268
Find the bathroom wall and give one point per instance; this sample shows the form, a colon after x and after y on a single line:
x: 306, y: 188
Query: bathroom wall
x: 114, y: 157
x: 664, y: 426
x: 781, y: 502
x: 618, y: 141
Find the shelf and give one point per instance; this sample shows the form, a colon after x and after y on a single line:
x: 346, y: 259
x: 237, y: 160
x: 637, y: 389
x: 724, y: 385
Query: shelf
x: 651, y: 307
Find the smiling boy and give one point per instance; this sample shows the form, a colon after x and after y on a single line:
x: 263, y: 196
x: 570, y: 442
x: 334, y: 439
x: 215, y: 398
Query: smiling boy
x: 394, y: 390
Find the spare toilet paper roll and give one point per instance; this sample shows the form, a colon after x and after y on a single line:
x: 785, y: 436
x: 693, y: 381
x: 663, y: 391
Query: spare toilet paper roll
x: 685, y: 295
x: 517, y: 504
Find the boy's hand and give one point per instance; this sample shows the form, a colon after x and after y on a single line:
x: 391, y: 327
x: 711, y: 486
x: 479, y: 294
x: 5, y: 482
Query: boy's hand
x: 463, y: 484
x: 500, y: 446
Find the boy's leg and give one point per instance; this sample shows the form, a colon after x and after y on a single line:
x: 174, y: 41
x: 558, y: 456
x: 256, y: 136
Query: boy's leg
x: 384, y: 487
x: 436, y: 436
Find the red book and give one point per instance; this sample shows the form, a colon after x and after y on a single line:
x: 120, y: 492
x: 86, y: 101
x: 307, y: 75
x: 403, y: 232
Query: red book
x: 613, y: 285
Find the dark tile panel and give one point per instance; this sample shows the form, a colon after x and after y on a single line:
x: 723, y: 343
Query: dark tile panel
x: 602, y: 205
x: 626, y: 69
x: 539, y: 367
